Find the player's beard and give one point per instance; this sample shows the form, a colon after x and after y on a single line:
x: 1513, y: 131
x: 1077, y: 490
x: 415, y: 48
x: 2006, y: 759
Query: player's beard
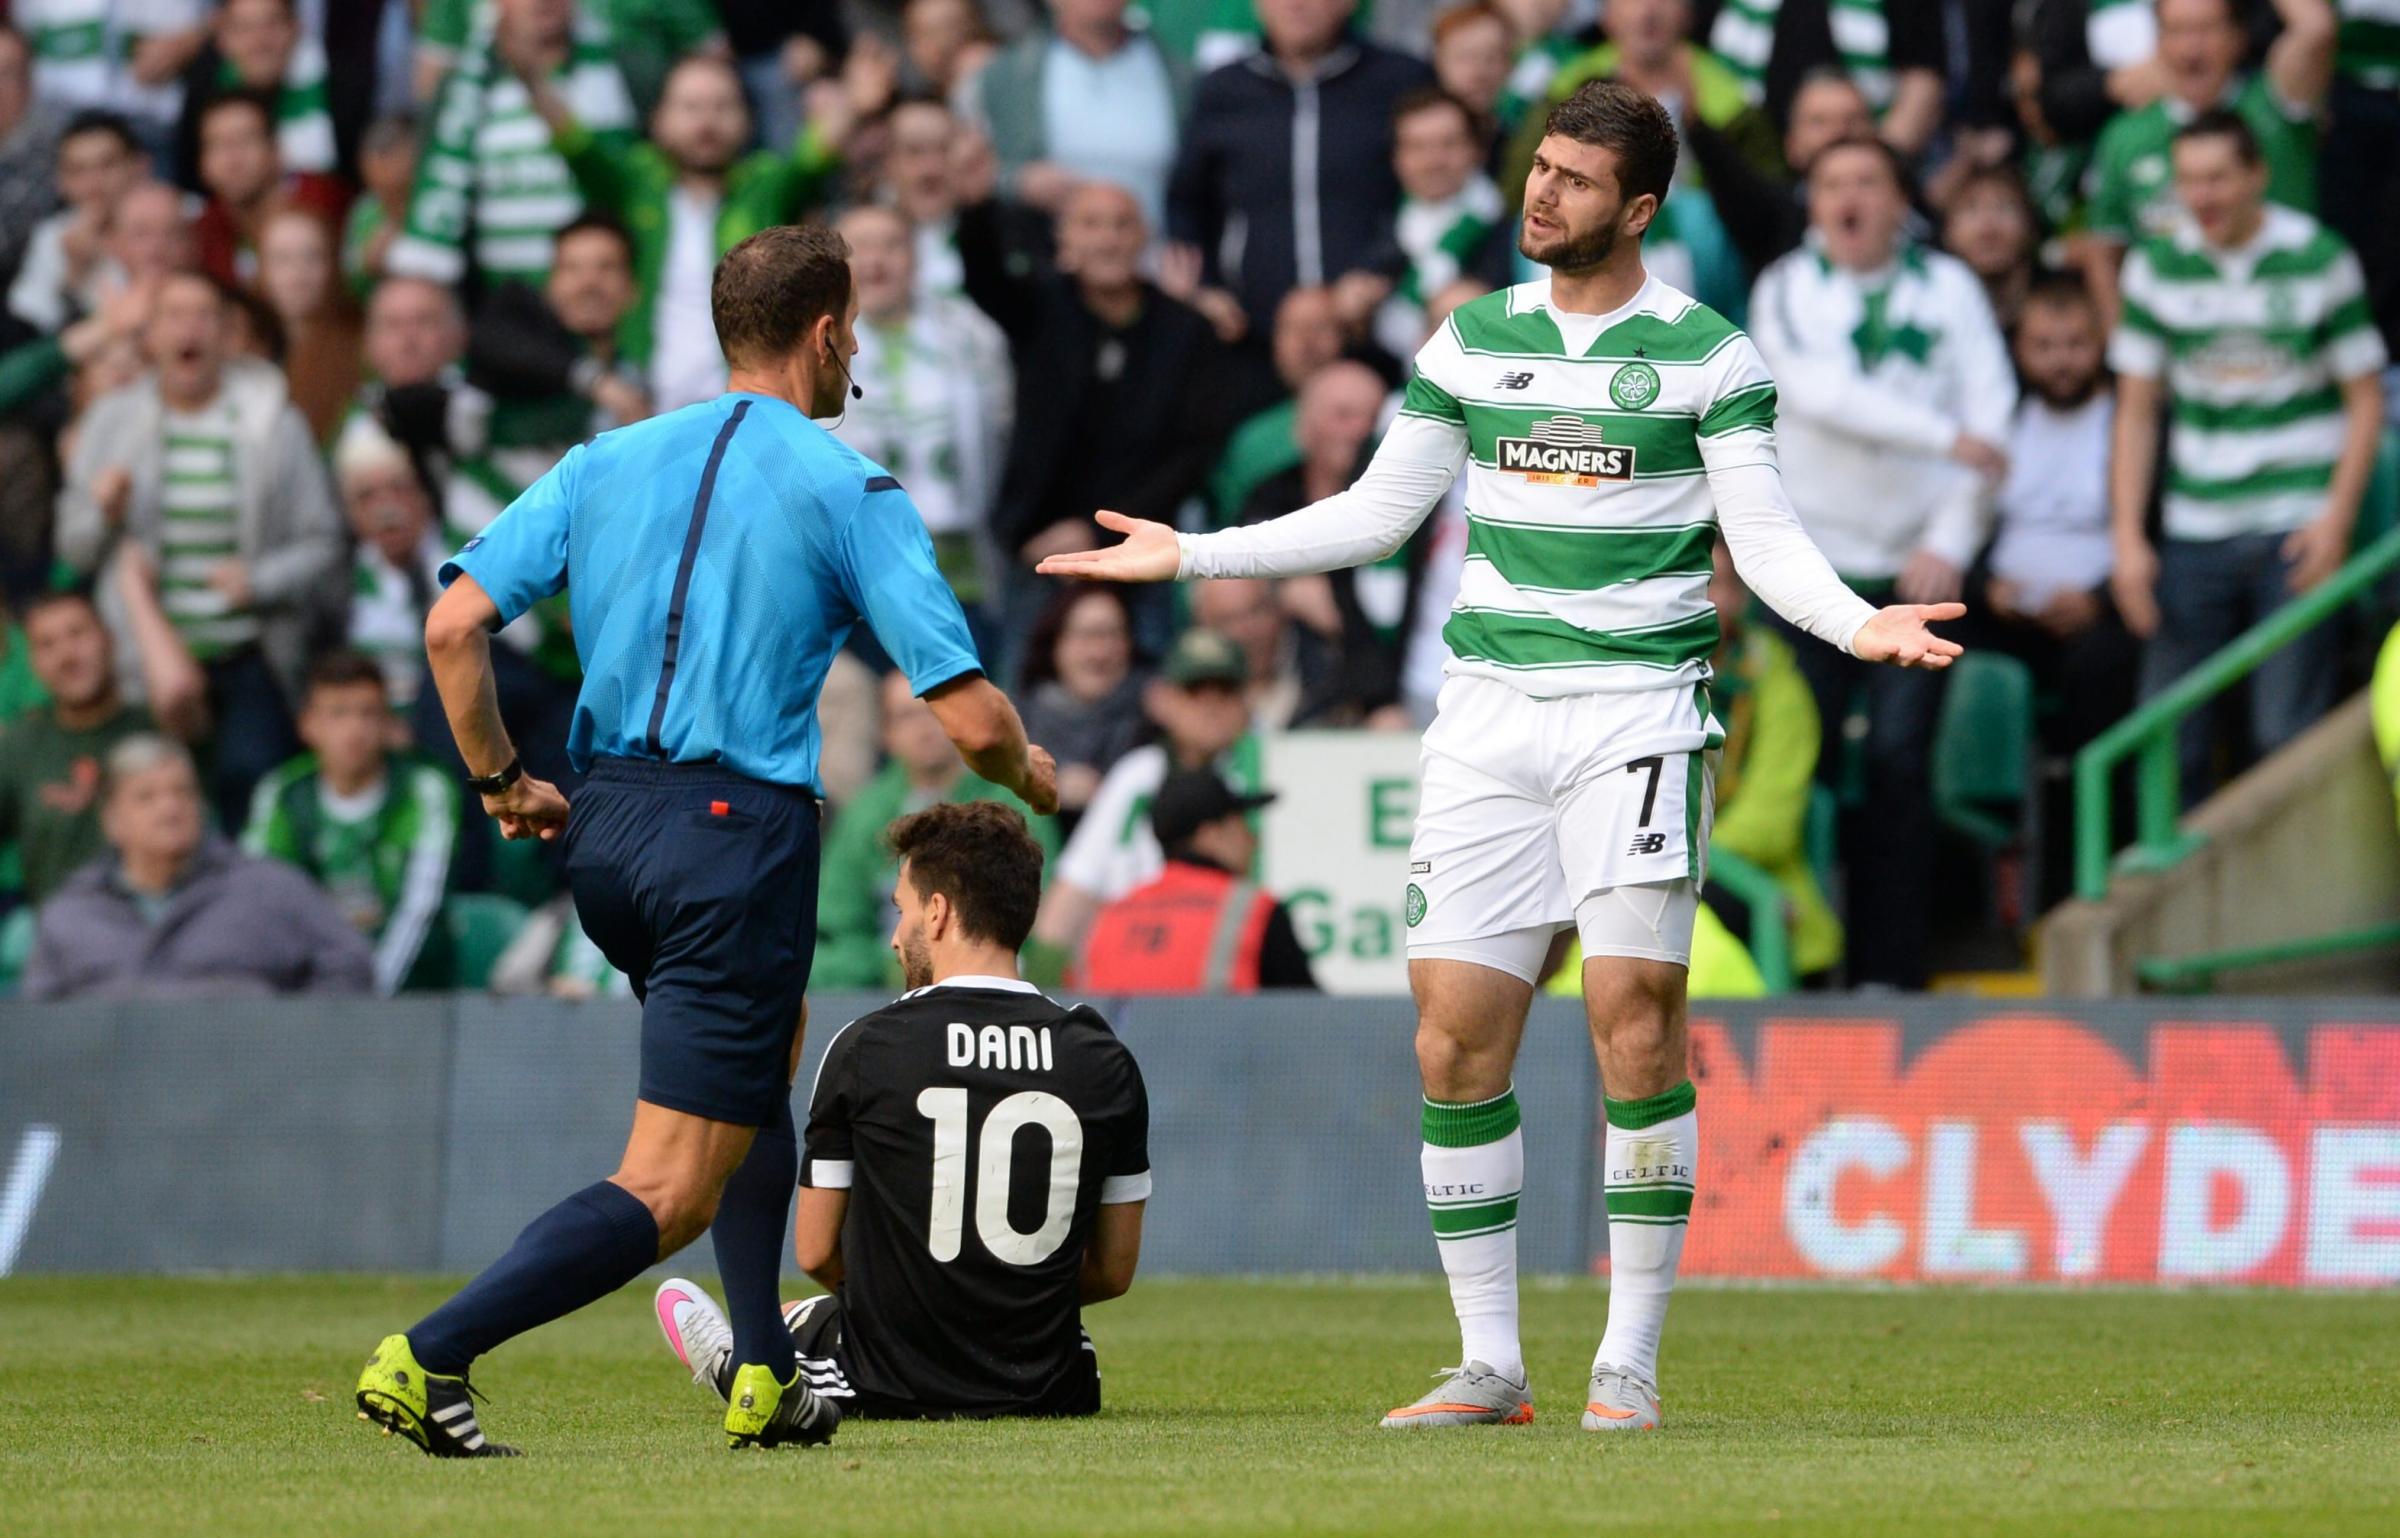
x: 916, y: 962
x: 1570, y: 254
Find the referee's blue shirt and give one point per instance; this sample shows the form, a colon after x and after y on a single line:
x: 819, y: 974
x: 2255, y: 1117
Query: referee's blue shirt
x: 719, y: 556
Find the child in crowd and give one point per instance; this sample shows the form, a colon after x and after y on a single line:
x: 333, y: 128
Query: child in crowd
x: 374, y: 828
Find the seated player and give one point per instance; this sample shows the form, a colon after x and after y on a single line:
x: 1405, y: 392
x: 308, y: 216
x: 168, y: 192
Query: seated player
x: 976, y: 1165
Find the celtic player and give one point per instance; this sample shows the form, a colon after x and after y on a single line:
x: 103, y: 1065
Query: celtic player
x: 1609, y: 424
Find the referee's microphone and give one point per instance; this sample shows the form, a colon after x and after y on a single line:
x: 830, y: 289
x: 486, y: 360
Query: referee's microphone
x: 856, y: 393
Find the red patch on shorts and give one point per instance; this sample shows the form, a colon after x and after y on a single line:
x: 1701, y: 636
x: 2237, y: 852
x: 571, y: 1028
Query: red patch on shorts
x: 720, y: 809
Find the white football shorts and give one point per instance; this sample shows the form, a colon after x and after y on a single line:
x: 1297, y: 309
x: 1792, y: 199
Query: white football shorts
x: 1589, y: 810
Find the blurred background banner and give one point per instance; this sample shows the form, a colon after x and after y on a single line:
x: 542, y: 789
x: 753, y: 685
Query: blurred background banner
x: 2076, y: 1144
x: 1334, y: 847
x: 1921, y: 1140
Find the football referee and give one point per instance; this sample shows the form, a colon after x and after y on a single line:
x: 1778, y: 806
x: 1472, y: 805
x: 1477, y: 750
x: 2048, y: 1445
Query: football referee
x: 719, y: 556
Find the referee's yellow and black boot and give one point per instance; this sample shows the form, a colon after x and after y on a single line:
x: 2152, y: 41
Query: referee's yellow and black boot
x: 761, y: 1412
x: 434, y: 1410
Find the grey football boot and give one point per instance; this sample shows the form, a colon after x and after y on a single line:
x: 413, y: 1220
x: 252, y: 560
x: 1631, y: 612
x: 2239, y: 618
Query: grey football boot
x: 1471, y: 1394
x: 1619, y: 1401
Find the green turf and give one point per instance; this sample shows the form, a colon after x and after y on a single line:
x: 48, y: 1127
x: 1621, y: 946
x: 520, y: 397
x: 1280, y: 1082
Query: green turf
x: 224, y: 1406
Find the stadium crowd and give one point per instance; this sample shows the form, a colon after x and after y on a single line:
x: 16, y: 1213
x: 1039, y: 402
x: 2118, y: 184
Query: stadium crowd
x: 299, y: 295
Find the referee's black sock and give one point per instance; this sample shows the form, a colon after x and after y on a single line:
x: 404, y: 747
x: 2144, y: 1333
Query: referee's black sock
x: 579, y: 1251
x: 753, y: 1227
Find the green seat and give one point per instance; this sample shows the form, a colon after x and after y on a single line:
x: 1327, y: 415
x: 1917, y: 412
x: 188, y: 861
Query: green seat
x: 16, y: 947
x: 523, y: 869
x: 1983, y: 749
x: 481, y: 924
x: 1770, y: 942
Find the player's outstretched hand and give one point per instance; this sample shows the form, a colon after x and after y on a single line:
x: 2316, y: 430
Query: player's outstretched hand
x: 1898, y: 635
x: 1041, y: 780
x: 1149, y: 554
x: 530, y: 808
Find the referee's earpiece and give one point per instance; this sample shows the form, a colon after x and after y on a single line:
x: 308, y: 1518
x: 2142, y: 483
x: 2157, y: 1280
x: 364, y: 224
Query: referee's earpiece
x: 835, y: 353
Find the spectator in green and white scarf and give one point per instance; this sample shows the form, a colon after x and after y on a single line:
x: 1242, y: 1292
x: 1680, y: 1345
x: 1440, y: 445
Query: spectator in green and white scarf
x: 259, y: 47
x: 396, y: 558
x: 492, y: 191
x: 1647, y: 43
x: 1451, y: 218
x: 686, y: 196
x: 1893, y: 49
x: 387, y: 169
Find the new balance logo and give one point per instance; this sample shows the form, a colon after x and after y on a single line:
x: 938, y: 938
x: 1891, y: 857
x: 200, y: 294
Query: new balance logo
x: 1648, y: 843
x: 1513, y: 381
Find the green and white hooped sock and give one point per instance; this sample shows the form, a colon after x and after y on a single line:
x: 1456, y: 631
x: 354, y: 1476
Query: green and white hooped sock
x: 1653, y: 1154
x: 1474, y: 1164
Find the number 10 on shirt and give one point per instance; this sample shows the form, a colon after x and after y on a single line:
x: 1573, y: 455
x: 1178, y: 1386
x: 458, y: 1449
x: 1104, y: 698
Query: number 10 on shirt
x: 945, y: 1227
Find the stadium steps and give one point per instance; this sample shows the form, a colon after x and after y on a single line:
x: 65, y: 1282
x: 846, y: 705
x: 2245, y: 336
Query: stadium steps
x: 2302, y: 846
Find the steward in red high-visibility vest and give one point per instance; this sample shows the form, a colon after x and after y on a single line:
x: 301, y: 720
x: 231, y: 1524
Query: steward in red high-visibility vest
x: 1199, y: 927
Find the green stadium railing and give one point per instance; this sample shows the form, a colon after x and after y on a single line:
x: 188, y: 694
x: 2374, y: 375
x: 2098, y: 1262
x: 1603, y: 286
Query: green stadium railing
x: 2148, y: 736
x: 1770, y: 919
x: 2198, y: 973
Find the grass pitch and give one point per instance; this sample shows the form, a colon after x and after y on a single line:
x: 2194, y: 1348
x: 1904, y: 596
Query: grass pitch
x: 224, y: 1406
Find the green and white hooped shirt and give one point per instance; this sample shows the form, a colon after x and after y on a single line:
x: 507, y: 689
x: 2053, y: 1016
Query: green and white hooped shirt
x: 1590, y: 521
x: 83, y: 51
x: 2368, y: 47
x: 2254, y: 345
x: 200, y: 526
x: 1600, y: 451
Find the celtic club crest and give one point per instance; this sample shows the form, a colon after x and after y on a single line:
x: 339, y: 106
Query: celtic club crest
x: 1635, y: 386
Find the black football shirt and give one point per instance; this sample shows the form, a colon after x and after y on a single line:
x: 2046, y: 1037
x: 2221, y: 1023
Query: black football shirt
x: 978, y: 1126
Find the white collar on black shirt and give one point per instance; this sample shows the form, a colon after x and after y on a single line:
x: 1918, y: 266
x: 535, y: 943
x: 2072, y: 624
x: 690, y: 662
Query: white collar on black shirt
x: 970, y: 980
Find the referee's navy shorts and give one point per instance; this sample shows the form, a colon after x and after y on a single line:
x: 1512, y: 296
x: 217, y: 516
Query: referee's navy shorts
x: 700, y: 885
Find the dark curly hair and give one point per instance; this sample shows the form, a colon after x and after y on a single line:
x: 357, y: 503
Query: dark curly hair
x: 981, y: 856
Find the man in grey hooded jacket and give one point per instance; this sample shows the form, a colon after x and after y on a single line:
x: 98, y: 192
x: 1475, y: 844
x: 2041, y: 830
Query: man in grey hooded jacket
x: 174, y: 912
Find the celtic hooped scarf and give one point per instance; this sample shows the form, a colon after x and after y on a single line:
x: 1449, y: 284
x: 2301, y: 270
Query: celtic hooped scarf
x: 1744, y: 37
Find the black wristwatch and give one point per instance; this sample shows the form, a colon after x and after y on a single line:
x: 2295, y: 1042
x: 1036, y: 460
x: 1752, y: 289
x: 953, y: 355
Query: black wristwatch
x: 493, y: 784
